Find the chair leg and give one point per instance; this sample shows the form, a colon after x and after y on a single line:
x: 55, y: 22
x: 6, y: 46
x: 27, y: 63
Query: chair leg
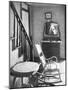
x: 59, y: 75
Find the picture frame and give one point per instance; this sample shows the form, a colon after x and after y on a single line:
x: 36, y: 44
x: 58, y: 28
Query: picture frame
x: 48, y: 15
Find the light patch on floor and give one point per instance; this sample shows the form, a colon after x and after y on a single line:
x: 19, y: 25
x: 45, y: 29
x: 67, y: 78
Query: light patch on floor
x: 61, y: 67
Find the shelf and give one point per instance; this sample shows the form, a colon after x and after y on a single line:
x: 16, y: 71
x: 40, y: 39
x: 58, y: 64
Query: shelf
x: 51, y: 41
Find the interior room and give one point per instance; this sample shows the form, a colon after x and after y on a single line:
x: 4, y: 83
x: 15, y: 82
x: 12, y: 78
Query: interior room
x: 37, y: 40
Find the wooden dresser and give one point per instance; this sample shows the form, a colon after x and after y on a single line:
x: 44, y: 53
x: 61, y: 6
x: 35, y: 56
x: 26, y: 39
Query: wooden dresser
x: 51, y: 48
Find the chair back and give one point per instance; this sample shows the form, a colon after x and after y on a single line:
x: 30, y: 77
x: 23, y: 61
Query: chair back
x: 40, y: 53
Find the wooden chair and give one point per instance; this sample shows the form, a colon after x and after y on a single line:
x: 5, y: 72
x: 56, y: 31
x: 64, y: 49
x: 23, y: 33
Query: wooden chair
x: 50, y: 73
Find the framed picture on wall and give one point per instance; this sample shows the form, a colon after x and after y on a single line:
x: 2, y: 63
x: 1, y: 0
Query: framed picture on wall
x: 48, y: 15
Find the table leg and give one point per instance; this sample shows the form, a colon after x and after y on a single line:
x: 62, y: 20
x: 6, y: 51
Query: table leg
x: 22, y: 81
x: 14, y: 81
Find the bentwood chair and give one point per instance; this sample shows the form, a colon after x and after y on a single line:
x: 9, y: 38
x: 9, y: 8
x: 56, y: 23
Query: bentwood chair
x: 50, y: 73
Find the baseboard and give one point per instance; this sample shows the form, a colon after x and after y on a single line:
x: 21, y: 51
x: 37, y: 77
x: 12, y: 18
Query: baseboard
x: 62, y: 58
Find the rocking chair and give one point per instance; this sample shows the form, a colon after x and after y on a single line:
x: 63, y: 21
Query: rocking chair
x: 51, y: 73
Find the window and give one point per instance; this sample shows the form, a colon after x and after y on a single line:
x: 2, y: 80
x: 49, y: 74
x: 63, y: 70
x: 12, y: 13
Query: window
x: 16, y: 34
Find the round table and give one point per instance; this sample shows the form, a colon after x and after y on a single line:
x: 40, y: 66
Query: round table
x: 23, y: 69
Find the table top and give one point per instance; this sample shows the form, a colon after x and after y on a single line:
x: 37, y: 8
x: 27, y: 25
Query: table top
x: 26, y: 67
